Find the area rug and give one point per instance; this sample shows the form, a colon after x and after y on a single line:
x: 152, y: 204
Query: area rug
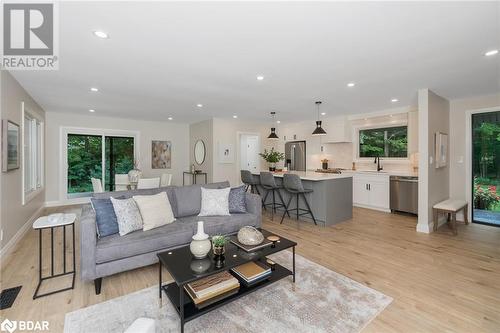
x: 320, y: 301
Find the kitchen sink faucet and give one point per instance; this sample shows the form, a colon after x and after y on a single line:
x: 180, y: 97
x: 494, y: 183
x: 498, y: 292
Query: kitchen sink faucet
x: 377, y: 160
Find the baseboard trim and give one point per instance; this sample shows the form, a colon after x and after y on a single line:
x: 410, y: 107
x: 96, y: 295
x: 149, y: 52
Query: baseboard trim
x: 385, y: 210
x: 20, y: 233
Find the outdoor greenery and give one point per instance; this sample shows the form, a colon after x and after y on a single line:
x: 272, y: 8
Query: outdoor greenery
x: 85, y: 160
x: 384, y: 142
x: 272, y: 156
x: 486, y: 197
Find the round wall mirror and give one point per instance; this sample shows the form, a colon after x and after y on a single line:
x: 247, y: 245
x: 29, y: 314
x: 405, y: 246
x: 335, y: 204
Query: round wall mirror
x: 199, y: 152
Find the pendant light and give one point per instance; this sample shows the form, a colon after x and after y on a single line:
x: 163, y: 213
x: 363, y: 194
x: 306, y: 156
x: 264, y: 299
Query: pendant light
x: 318, y: 130
x: 273, y: 135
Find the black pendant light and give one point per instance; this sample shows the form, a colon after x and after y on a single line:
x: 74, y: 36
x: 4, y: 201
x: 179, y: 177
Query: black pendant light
x: 273, y: 135
x: 318, y: 130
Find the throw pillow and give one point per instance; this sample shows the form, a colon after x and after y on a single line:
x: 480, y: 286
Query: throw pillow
x: 105, y: 217
x: 214, y: 202
x: 237, y: 200
x: 155, y: 210
x: 127, y: 214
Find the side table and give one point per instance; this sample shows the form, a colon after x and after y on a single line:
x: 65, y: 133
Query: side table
x: 193, y: 174
x: 51, y: 222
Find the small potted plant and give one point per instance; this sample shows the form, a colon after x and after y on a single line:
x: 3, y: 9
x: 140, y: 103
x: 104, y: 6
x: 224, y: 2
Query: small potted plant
x: 219, y: 244
x: 272, y: 157
x: 324, y: 164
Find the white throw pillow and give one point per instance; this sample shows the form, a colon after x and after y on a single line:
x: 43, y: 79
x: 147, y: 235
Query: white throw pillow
x: 155, y: 210
x: 127, y: 214
x: 214, y: 202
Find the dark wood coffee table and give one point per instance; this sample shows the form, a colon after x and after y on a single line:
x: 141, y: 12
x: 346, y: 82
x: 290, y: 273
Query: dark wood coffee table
x: 184, y: 268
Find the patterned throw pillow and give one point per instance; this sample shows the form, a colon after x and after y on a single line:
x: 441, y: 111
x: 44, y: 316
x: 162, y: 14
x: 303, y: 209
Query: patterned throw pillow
x: 237, y: 200
x: 214, y: 202
x: 128, y: 215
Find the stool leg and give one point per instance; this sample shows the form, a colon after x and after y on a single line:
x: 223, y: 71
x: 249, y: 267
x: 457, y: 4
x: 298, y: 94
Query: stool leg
x: 264, y: 200
x: 274, y: 202
x: 297, y: 206
x: 257, y: 189
x: 309, y: 209
x: 286, y: 208
x: 283, y: 202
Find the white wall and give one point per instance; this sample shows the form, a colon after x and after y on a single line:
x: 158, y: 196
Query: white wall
x: 15, y: 215
x: 177, y: 133
x: 433, y: 185
x: 202, y: 131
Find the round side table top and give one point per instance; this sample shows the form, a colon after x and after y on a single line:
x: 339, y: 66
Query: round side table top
x: 54, y: 220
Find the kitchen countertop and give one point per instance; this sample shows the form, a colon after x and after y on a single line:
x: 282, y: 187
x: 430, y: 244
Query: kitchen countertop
x: 383, y: 172
x: 311, y: 175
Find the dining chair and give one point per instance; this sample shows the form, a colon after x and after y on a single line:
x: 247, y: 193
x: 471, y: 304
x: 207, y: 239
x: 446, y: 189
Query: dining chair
x: 165, y: 179
x: 121, y: 182
x: 96, y: 185
x: 145, y: 183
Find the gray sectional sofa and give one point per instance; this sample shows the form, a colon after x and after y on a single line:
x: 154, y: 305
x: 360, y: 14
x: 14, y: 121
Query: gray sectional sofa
x: 101, y: 257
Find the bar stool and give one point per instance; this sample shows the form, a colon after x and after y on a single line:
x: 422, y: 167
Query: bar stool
x: 250, y: 181
x: 293, y: 185
x: 267, y: 182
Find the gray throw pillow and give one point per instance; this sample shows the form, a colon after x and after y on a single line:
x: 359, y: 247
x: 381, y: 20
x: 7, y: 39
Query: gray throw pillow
x: 128, y: 215
x: 237, y: 200
x: 105, y: 217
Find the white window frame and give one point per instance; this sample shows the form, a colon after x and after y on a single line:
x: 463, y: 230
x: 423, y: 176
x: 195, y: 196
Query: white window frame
x: 63, y: 162
x: 35, y: 154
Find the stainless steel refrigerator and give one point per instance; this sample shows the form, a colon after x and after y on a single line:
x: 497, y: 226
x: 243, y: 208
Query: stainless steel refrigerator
x: 295, y: 155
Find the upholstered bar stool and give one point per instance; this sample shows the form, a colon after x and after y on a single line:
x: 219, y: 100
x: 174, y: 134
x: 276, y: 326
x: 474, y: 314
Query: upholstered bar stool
x: 267, y: 182
x: 293, y: 185
x: 250, y: 181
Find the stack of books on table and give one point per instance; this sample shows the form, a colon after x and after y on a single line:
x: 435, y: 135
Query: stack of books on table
x: 252, y: 272
x: 212, y: 288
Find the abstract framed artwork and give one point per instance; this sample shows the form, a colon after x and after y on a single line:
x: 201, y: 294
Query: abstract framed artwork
x: 226, y: 153
x: 10, y: 145
x: 161, y: 154
x: 441, y: 140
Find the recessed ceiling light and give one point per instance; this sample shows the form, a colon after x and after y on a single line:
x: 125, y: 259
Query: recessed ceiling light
x: 351, y: 84
x: 170, y: 118
x: 199, y: 105
x: 394, y: 100
x: 94, y: 89
x: 260, y: 78
x: 278, y: 121
x: 323, y: 113
x: 101, y: 34
x: 91, y: 110
x: 491, y: 52
x: 235, y: 116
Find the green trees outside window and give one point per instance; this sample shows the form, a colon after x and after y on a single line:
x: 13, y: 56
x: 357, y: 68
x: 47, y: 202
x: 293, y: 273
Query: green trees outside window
x: 384, y: 142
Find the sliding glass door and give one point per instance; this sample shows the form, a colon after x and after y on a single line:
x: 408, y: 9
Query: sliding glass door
x: 486, y: 168
x: 96, y: 156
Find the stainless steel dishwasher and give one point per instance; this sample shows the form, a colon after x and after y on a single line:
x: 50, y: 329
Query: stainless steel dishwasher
x: 404, y: 194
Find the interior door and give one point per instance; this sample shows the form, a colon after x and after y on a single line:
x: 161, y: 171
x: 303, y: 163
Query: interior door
x: 253, y: 153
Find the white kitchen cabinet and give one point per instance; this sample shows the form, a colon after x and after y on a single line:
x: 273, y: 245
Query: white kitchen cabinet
x: 337, y: 130
x: 371, y: 191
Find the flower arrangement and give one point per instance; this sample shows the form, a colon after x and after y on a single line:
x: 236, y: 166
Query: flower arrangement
x: 485, y: 197
x: 272, y: 157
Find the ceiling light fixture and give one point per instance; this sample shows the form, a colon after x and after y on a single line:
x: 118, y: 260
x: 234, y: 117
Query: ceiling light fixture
x: 92, y: 110
x: 351, y: 84
x: 491, y: 52
x: 323, y: 113
x: 318, y: 130
x: 170, y: 118
x: 94, y: 89
x: 394, y: 100
x: 272, y: 135
x: 199, y: 105
x: 278, y: 121
x: 260, y: 78
x: 101, y: 34
x: 235, y: 116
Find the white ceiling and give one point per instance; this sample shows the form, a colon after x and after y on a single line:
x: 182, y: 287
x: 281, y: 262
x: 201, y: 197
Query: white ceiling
x: 163, y: 58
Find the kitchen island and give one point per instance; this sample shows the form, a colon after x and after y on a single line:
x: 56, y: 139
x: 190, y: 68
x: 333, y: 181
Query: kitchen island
x: 330, y: 201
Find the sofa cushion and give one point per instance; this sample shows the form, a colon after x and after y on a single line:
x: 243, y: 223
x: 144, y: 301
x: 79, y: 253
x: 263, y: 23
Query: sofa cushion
x: 214, y: 202
x: 155, y: 210
x: 214, y: 225
x: 168, y: 236
x: 237, y: 200
x: 105, y: 217
x: 188, y: 198
x: 127, y: 214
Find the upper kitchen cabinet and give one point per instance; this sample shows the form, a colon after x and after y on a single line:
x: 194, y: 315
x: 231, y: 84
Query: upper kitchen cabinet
x: 337, y: 130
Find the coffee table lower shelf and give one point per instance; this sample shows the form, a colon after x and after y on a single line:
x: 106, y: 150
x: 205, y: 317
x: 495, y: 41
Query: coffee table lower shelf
x: 191, y: 311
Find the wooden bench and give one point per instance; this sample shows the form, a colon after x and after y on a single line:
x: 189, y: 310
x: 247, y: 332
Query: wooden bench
x: 450, y: 207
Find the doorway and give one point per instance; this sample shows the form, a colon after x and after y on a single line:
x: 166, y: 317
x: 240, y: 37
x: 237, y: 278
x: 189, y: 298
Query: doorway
x: 249, y: 152
x: 486, y: 168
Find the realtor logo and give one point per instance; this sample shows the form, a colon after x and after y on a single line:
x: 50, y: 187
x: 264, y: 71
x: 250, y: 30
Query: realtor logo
x: 8, y: 326
x: 29, y: 36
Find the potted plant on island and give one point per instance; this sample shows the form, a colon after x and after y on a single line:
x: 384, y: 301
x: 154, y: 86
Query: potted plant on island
x: 272, y: 157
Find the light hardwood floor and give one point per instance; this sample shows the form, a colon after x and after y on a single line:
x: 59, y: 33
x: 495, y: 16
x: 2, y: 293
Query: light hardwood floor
x: 439, y: 282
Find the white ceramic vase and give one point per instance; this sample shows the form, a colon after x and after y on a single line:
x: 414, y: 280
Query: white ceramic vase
x: 200, y: 245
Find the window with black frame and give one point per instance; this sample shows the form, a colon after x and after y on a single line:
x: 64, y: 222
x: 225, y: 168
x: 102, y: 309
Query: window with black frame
x: 388, y: 142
